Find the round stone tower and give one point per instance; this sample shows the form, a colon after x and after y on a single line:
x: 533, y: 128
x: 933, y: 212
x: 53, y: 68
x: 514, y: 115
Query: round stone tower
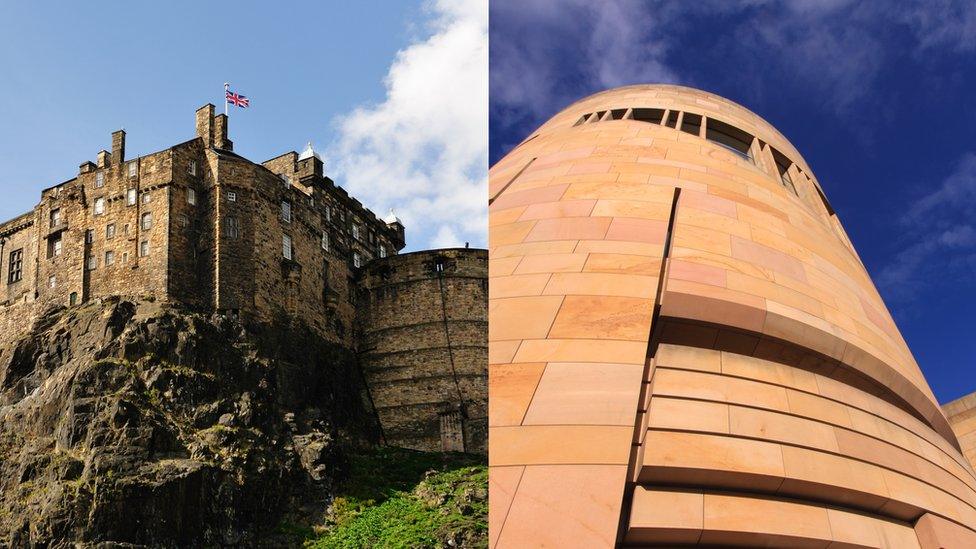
x: 686, y: 349
x: 423, y: 318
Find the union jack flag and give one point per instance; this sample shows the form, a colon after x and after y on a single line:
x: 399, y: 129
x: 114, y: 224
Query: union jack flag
x: 235, y: 98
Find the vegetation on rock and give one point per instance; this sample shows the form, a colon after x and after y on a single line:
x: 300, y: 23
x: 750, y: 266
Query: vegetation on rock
x: 394, y: 498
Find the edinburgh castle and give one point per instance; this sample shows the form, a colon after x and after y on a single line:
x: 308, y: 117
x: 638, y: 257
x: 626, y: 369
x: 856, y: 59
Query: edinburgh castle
x: 200, y: 227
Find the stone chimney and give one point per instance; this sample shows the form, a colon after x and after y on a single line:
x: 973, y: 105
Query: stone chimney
x: 118, y: 146
x: 205, y: 125
x: 220, y: 133
x: 86, y: 167
x: 103, y: 158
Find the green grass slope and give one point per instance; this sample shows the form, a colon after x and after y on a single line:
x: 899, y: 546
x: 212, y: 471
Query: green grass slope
x: 395, y: 498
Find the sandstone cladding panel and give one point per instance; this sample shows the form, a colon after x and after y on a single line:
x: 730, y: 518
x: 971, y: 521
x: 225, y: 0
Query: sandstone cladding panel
x: 685, y: 347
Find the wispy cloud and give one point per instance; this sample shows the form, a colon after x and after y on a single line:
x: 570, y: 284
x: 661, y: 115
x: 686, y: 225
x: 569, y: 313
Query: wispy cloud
x: 546, y: 54
x: 423, y: 150
x: 942, y: 237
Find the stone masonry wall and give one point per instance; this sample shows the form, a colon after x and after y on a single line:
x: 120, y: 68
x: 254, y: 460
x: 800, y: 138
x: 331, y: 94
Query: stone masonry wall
x: 198, y: 225
x: 423, y: 318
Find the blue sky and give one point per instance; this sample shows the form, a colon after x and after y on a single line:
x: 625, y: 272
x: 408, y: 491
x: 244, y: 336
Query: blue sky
x: 348, y: 76
x: 878, y: 96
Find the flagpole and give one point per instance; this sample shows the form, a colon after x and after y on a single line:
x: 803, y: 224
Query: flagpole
x: 226, y: 87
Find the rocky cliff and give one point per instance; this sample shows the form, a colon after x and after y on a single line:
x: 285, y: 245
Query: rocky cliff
x: 126, y: 423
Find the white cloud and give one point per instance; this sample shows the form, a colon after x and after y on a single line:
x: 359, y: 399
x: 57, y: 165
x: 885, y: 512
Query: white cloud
x: 424, y: 149
x: 957, y: 191
x: 836, y: 50
x: 942, y: 239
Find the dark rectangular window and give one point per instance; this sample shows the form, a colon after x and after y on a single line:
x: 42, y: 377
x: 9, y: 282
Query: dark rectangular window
x: 617, y: 114
x: 672, y: 119
x: 654, y: 116
x: 16, y: 266
x: 783, y: 168
x: 691, y: 123
x: 729, y: 137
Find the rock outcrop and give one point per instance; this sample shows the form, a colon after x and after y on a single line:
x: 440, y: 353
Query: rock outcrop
x: 126, y: 423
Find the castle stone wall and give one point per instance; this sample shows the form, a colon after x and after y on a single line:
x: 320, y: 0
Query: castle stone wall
x: 200, y: 226
x: 423, y: 318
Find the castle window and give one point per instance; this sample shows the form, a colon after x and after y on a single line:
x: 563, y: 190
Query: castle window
x: 325, y: 241
x: 125, y: 257
x: 52, y: 281
x: 328, y: 213
x: 184, y: 220
x: 286, y: 247
x: 191, y: 197
x: 73, y: 298
x: 130, y: 197
x: 147, y: 221
x: 232, y: 227
x: 286, y: 211
x: 109, y: 258
x: 231, y: 196
x: 355, y: 231
x: 125, y: 229
x: 55, y: 217
x: 357, y: 261
x: 133, y: 169
x: 672, y: 120
x: 54, y: 247
x: 110, y: 230
x: 89, y: 236
x: 145, y: 197
x: 15, y: 266
x: 192, y: 167
x: 382, y: 251
x: 100, y: 179
x: 144, y: 248
x: 99, y: 206
x: 286, y: 180
x: 92, y: 262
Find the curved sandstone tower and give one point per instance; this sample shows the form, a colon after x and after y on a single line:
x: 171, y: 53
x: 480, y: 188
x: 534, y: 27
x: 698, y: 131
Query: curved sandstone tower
x: 685, y: 347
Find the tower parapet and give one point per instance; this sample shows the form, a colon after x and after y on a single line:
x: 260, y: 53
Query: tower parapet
x: 424, y: 325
